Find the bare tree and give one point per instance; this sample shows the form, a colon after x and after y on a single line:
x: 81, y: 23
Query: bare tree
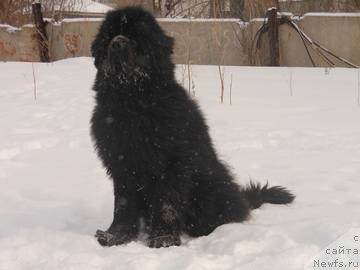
x: 301, y: 7
x: 248, y: 9
x: 244, y: 9
x: 151, y: 5
x: 15, y: 12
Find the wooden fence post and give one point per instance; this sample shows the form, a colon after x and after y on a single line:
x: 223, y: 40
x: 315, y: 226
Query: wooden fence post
x: 40, y: 34
x: 273, y: 23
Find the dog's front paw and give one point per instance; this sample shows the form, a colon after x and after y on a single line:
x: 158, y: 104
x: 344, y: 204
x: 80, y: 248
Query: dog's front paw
x: 164, y: 241
x: 108, y: 239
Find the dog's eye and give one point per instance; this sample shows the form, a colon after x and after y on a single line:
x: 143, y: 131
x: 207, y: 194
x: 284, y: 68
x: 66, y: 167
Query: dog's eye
x: 133, y: 43
x: 124, y: 19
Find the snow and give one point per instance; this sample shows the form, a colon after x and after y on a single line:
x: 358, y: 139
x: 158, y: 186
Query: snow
x: 9, y: 28
x: 89, y: 6
x: 302, y: 134
x: 158, y: 19
x: 332, y: 14
x: 197, y: 20
x: 81, y: 20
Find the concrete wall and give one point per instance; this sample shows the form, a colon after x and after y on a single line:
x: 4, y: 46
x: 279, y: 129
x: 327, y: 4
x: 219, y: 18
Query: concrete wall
x: 198, y: 41
x: 72, y: 38
x: 340, y: 34
x: 211, y: 42
x: 18, y: 44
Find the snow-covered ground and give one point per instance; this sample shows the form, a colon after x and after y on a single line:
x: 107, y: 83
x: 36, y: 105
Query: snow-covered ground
x: 54, y: 193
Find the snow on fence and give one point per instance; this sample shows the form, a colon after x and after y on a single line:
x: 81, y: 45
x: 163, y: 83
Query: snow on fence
x: 201, y: 41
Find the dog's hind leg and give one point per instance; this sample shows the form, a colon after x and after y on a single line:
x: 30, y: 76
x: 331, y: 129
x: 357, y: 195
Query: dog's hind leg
x: 167, y: 209
x: 216, y: 200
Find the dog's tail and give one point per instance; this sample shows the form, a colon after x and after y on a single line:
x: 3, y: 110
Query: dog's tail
x: 257, y: 195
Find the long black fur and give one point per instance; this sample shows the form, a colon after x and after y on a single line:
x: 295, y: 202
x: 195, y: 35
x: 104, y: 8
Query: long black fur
x: 154, y: 142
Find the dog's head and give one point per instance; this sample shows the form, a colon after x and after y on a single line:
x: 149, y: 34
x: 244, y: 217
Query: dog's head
x: 130, y: 42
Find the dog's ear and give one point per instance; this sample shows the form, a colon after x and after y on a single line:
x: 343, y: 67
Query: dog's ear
x: 102, y: 39
x: 170, y: 44
x: 99, y: 46
x: 166, y: 44
x: 96, y: 51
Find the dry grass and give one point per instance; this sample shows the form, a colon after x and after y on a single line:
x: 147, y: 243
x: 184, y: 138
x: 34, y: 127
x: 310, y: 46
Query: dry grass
x: 257, y: 8
x: 218, y: 44
x: 15, y: 12
x: 152, y: 6
x: 248, y: 9
x: 244, y: 9
x: 193, y: 8
x: 18, y: 12
x: 321, y: 6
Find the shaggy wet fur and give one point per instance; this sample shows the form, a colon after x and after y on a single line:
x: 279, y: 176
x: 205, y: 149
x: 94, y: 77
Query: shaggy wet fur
x: 155, y: 144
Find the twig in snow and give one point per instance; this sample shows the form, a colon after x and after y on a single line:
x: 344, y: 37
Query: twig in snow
x: 34, y: 79
x: 193, y: 88
x: 231, y: 77
x: 221, y: 75
x: 359, y: 86
x: 291, y: 82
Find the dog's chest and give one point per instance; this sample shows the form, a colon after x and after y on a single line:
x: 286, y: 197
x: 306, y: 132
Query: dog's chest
x: 128, y: 136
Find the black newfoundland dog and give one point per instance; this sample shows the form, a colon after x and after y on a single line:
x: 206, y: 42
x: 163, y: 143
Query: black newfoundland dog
x: 155, y: 144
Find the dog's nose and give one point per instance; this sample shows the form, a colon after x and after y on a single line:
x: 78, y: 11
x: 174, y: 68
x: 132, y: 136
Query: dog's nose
x: 119, y: 42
